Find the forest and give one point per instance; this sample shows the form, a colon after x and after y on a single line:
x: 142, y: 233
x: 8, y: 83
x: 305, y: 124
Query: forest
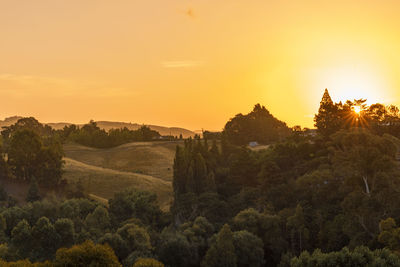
x: 323, y: 197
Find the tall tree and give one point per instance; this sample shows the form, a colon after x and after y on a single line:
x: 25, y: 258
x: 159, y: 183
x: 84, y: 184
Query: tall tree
x: 327, y: 120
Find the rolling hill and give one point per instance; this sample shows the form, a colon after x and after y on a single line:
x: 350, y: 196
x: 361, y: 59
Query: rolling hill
x: 144, y: 165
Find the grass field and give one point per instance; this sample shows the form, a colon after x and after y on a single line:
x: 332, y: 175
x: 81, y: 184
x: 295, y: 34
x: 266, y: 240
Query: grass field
x: 143, y: 165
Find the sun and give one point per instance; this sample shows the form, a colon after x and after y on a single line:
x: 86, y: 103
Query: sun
x: 357, y: 109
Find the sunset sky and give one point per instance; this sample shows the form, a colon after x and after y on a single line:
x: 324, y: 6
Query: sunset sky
x: 193, y: 64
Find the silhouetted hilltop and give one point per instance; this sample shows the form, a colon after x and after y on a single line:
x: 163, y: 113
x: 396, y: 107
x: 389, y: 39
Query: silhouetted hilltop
x: 107, y: 125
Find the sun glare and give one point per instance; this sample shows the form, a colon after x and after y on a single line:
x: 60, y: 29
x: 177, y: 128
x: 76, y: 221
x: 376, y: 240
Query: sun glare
x: 357, y: 109
x: 349, y: 83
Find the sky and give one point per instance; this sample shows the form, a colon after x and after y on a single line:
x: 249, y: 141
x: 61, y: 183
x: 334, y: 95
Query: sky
x: 193, y: 64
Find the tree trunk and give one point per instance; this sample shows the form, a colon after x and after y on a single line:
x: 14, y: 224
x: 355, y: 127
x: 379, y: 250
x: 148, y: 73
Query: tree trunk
x: 365, y: 179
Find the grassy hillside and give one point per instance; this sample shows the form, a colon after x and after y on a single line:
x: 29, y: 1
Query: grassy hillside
x: 149, y: 158
x: 145, y: 165
x: 102, y: 183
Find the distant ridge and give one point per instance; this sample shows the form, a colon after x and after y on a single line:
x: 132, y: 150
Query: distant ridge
x: 107, y: 125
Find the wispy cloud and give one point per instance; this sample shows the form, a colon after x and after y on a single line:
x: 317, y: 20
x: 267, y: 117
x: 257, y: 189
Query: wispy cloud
x: 181, y: 64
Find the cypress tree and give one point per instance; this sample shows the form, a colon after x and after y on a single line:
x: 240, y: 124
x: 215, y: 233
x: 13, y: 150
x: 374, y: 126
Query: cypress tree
x: 327, y: 120
x: 190, y: 182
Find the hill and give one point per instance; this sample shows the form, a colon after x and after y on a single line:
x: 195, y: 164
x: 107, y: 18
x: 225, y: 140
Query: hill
x: 144, y: 165
x: 149, y: 158
x: 107, y: 125
x: 102, y: 183
x: 9, y: 121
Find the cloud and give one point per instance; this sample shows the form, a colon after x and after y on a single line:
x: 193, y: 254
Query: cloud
x: 181, y: 64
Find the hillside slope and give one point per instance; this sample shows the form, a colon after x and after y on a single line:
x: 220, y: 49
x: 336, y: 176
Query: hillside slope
x: 102, y: 183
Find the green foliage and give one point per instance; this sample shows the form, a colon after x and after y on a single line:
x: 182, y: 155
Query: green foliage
x: 33, y: 191
x: 91, y: 135
x: 21, y: 238
x: 98, y: 222
x: 222, y: 252
x: 360, y: 256
x: 259, y: 125
x: 132, y: 203
x: 28, y: 157
x: 135, y: 240
x: 174, y: 249
x: 248, y: 249
x: 86, y: 254
x: 299, y: 232
x: 389, y: 234
x: 265, y: 226
x: 45, y: 239
x: 66, y: 231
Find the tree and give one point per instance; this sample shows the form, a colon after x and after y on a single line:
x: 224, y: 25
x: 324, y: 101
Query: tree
x: 116, y: 242
x: 248, y: 249
x: 259, y: 125
x: 45, y: 239
x: 21, y: 238
x: 136, y: 239
x: 28, y: 158
x: 361, y: 157
x: 222, y: 251
x: 66, y: 231
x: 98, y: 222
x: 327, y: 120
x: 389, y: 234
x: 265, y: 226
x: 132, y: 203
x: 33, y: 191
x: 197, y: 234
x: 24, y: 151
x: 360, y: 256
x: 86, y: 254
x: 174, y: 249
x: 298, y: 230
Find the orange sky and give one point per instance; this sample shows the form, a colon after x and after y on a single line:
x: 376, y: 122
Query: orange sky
x: 193, y: 64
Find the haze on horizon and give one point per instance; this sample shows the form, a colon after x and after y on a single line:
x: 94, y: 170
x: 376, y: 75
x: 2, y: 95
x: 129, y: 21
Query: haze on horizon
x: 193, y: 64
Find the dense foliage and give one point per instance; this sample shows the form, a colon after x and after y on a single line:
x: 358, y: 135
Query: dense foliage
x: 30, y: 152
x: 91, y: 135
x: 257, y: 126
